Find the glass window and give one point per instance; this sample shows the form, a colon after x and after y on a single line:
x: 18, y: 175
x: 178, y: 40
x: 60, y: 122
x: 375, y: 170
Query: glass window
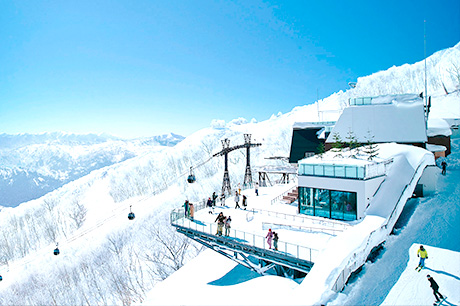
x: 333, y: 204
x: 350, y: 207
x: 322, y: 203
x: 329, y: 170
x: 308, y: 169
x: 338, y: 199
x: 319, y: 170
x: 340, y: 171
x: 350, y: 171
x: 305, y: 201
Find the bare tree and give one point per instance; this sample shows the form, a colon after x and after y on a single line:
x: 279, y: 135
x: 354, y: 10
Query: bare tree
x: 78, y: 213
x: 170, y: 252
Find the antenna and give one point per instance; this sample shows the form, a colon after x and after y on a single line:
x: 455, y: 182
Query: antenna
x: 424, y: 45
x: 317, y: 103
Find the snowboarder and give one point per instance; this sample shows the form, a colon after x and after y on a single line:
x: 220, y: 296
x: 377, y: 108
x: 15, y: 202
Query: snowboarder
x: 245, y: 201
x: 257, y: 188
x: 435, y: 288
x: 228, y: 220
x: 443, y: 166
x: 275, y: 240
x: 423, y: 254
x: 209, y: 204
x: 220, y: 223
x: 269, y: 238
x: 237, y: 200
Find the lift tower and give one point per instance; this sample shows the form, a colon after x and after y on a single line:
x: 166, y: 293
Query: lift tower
x: 248, y: 145
x: 226, y: 187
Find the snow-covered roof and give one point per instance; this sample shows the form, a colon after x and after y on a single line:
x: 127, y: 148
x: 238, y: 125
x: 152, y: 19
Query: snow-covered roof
x: 438, y: 127
x: 435, y: 148
x: 394, y: 118
x: 305, y: 125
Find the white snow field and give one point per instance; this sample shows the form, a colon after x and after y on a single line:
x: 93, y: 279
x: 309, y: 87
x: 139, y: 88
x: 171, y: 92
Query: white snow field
x: 108, y: 260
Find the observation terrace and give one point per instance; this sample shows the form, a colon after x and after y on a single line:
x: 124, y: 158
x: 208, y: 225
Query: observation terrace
x: 301, y: 237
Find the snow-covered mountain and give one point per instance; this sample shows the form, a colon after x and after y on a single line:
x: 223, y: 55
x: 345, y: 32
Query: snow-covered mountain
x: 32, y: 165
x: 107, y: 259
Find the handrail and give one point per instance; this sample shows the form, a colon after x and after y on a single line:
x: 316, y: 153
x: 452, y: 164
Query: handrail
x: 331, y: 231
x: 302, y: 218
x: 275, y: 199
x: 250, y: 239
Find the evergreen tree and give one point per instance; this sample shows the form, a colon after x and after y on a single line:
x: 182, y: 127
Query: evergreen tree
x: 352, y: 143
x: 321, y: 149
x: 371, y: 148
x: 337, y: 145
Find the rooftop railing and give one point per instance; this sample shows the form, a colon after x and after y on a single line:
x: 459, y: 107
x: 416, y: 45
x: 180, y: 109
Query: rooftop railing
x: 360, y: 101
x: 345, y: 171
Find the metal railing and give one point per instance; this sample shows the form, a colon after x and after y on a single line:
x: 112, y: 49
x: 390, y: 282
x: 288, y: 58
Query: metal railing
x: 345, y: 171
x: 246, y: 238
x: 279, y: 197
x: 311, y: 229
x: 304, y: 218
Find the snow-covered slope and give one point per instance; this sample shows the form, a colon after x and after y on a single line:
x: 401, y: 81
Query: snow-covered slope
x: 33, y: 165
x: 107, y: 259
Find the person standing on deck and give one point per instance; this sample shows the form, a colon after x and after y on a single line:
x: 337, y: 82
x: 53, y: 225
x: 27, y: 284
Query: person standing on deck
x: 214, y: 197
x: 222, y: 199
x: 275, y: 240
x: 209, y: 204
x: 228, y: 220
x: 220, y: 223
x: 185, y: 208
x: 192, y: 210
x: 269, y: 238
x: 237, y: 200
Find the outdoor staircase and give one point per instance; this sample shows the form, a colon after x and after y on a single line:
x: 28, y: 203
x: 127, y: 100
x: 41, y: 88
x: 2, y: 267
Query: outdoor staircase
x: 291, y: 196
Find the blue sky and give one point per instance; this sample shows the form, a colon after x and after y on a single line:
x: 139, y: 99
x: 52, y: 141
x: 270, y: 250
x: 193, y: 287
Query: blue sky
x: 144, y: 68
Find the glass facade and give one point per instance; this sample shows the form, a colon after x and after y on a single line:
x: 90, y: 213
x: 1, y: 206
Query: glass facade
x: 354, y: 172
x: 332, y: 204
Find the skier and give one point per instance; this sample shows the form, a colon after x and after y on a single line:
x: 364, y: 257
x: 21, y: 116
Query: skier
x: 228, y: 220
x: 237, y: 200
x: 435, y: 288
x: 220, y: 223
x: 257, y: 188
x: 275, y: 240
x: 209, y: 204
x: 245, y: 201
x: 423, y: 254
x: 443, y: 166
x: 269, y: 238
x: 239, y: 188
